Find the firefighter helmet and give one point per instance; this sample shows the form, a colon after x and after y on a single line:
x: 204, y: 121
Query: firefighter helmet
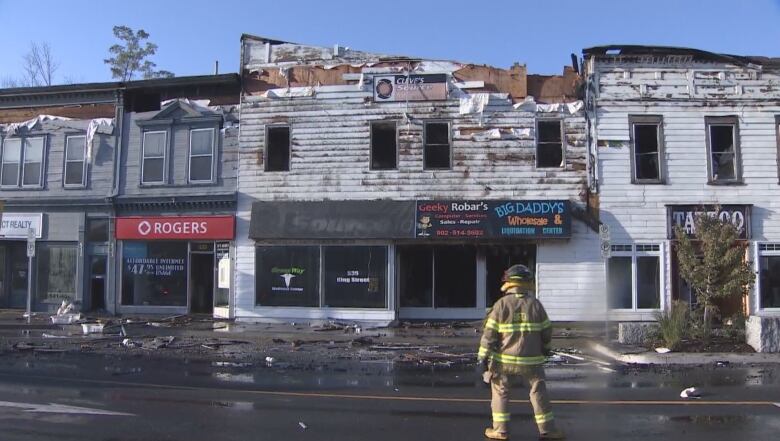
x: 517, y: 273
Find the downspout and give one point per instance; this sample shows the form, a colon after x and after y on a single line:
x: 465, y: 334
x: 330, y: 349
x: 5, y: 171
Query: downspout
x: 112, y: 273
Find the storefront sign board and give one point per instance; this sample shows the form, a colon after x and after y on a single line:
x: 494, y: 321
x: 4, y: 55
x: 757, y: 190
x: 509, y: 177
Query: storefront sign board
x: 175, y: 228
x: 685, y: 216
x: 427, y: 87
x: 16, y: 225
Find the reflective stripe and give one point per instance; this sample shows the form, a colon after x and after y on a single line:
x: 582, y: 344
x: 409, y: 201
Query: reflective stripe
x: 510, y: 359
x: 508, y: 328
x: 500, y: 417
x: 544, y: 418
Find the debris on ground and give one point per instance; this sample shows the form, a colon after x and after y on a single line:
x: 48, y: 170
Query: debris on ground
x: 230, y: 364
x: 663, y: 350
x: 130, y: 343
x: 690, y: 392
x: 113, y: 370
x: 361, y: 341
x: 721, y: 363
x: 92, y: 328
x: 158, y: 343
x: 66, y: 314
x: 46, y: 335
x: 269, y: 360
x: 303, y: 426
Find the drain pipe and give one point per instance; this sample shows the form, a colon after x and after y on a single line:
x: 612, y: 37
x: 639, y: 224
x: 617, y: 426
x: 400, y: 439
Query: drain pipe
x: 119, y: 123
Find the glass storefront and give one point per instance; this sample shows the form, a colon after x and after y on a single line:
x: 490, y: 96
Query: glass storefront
x: 154, y: 273
x: 350, y: 276
x: 769, y: 281
x: 57, y: 270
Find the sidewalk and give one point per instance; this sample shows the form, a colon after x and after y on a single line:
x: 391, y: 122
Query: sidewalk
x: 635, y: 355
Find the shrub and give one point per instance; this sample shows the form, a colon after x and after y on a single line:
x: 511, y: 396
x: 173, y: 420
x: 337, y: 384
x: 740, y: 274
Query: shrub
x: 673, y: 323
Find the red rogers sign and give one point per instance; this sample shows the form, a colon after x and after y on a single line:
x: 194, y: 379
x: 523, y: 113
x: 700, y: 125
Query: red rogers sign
x: 176, y: 227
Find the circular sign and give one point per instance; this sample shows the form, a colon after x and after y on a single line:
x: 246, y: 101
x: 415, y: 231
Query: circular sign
x: 144, y: 228
x: 384, y: 88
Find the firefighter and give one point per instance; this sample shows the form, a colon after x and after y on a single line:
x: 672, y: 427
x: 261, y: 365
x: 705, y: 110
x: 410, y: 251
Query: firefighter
x: 514, y: 346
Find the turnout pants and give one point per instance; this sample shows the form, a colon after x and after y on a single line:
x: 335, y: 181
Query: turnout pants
x: 531, y: 377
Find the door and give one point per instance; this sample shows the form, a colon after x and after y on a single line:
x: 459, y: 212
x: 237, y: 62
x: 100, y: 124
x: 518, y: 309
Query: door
x: 18, y: 269
x: 97, y: 283
x: 202, y: 282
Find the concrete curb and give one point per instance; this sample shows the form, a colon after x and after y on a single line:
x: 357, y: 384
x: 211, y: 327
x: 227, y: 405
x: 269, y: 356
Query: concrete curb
x: 684, y: 358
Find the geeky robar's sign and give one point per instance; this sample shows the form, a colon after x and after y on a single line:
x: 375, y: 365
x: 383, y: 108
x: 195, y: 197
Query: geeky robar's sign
x: 493, y: 219
x: 685, y: 216
x: 17, y: 225
x: 389, y: 88
x: 175, y: 227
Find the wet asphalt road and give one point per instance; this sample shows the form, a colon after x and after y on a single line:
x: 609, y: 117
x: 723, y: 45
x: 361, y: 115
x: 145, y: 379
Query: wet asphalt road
x: 67, y: 397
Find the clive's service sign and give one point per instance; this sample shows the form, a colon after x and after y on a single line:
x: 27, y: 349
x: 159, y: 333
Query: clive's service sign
x: 493, y: 219
x: 429, y: 87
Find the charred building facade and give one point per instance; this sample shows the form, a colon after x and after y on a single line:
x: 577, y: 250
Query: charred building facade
x: 377, y: 187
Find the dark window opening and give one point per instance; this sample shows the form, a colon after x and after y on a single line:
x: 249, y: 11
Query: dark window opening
x: 440, y: 277
x: 277, y: 146
x: 647, y: 165
x: 723, y: 152
x: 498, y: 259
x: 648, y: 282
x: 436, y: 149
x: 619, y: 283
x: 383, y: 146
x: 97, y: 230
x: 549, y: 146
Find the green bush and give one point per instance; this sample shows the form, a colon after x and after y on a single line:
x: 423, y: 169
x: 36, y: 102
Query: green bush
x: 673, y: 323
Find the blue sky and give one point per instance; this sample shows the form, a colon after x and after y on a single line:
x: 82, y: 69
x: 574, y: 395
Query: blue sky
x: 192, y: 35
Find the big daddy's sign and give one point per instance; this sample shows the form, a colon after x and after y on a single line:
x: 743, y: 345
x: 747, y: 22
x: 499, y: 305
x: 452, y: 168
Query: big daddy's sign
x: 175, y: 227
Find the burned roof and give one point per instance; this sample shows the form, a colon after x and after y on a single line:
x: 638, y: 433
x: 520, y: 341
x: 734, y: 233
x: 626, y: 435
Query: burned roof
x: 619, y: 50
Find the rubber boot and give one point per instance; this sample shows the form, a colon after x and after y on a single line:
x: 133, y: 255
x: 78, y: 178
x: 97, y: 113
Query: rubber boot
x: 554, y: 434
x: 495, y: 434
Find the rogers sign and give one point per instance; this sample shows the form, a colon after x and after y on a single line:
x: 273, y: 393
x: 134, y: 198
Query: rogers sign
x: 176, y: 227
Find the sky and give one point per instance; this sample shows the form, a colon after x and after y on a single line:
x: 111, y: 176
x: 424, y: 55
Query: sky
x: 193, y: 34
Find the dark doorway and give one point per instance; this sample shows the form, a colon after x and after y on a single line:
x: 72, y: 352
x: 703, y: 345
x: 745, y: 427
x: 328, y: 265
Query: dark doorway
x: 500, y: 257
x: 97, y: 283
x: 438, y: 276
x: 202, y: 282
x: 17, y: 266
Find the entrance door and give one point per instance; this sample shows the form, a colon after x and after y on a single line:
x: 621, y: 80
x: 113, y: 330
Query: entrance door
x: 202, y: 282
x: 497, y: 259
x: 18, y: 269
x: 97, y: 282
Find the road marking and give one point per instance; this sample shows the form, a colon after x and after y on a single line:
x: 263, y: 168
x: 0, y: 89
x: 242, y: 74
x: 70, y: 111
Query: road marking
x: 60, y: 408
x: 678, y: 402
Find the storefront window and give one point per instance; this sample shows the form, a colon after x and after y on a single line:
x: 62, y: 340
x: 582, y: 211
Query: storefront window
x: 770, y: 281
x: 287, y: 276
x: 439, y: 277
x: 648, y: 282
x: 355, y: 277
x: 154, y: 273
x: 619, y: 286
x: 56, y: 272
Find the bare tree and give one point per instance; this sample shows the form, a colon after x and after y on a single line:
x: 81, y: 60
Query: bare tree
x: 38, y: 66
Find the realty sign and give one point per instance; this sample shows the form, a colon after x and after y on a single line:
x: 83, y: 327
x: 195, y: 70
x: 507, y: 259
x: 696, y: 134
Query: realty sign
x: 17, y: 225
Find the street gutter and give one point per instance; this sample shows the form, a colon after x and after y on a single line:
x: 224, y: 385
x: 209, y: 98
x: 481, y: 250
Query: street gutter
x: 684, y: 358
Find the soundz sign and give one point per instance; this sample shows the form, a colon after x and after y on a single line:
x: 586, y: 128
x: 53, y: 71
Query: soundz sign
x: 175, y: 227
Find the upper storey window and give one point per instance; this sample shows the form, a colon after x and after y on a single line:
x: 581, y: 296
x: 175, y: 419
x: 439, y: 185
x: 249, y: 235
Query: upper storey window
x: 549, y: 144
x: 22, y: 162
x: 646, y: 149
x: 436, y: 145
x: 277, y: 148
x: 723, y: 150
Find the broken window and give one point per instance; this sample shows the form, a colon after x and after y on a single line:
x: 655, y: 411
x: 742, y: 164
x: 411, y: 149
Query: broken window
x: 12, y: 156
x: 438, y: 277
x: 722, y: 149
x: 75, y: 160
x: 201, y: 155
x: 277, y: 148
x: 153, y: 166
x: 384, y: 152
x: 436, y: 148
x: 646, y: 149
x: 549, y: 144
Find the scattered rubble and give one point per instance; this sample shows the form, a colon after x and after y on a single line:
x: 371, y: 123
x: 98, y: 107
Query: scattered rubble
x: 690, y: 392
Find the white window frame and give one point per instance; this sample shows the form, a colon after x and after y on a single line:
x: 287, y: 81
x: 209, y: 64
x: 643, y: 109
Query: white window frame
x: 723, y: 121
x: 212, y: 155
x: 757, y: 288
x: 164, y: 156
x: 41, y: 166
x: 3, y: 141
x: 83, y: 161
x: 634, y: 254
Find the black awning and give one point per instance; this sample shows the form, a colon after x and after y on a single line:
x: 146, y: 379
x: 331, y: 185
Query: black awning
x: 332, y: 220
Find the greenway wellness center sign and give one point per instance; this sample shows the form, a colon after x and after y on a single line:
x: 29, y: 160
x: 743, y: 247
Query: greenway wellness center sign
x: 493, y: 219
